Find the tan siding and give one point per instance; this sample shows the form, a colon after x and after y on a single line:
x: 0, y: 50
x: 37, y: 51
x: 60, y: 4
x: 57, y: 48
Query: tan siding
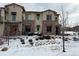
x: 1, y: 29
x: 48, y: 13
x: 14, y: 8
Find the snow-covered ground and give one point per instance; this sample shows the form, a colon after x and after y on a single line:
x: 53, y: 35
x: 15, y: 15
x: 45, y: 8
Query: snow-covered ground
x: 41, y: 48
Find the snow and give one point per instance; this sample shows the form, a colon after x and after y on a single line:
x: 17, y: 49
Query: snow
x: 41, y: 47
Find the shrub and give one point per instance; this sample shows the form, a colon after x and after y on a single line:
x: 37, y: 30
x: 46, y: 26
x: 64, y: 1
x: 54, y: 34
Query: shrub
x: 65, y: 39
x: 47, y: 37
x: 26, y: 37
x: 41, y: 38
x: 30, y: 40
x: 75, y: 39
x: 59, y: 37
x: 22, y: 41
x: 36, y: 39
x: 31, y: 43
x: 30, y: 34
x: 53, y: 38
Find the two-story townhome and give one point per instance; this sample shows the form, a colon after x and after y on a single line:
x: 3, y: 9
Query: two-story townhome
x: 14, y: 20
x: 46, y: 22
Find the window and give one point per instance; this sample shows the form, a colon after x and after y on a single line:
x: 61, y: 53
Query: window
x: 13, y: 16
x: 29, y: 17
x: 38, y: 26
x: 38, y: 16
x: 49, y: 17
x: 49, y: 28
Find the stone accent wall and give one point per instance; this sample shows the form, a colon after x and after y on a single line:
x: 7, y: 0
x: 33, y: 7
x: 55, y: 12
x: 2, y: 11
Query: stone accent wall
x: 30, y: 23
x: 8, y: 27
x: 46, y: 23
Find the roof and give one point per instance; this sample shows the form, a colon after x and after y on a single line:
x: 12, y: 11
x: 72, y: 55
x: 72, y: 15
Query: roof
x: 42, y: 11
x: 33, y: 11
x: 15, y: 4
x: 49, y: 10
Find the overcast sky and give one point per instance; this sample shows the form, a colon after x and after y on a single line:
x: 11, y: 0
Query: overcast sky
x: 72, y: 9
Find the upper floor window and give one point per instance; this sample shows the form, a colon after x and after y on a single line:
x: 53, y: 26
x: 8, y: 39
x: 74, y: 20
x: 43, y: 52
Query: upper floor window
x: 49, y: 17
x: 13, y: 16
x: 38, y: 16
x: 29, y: 17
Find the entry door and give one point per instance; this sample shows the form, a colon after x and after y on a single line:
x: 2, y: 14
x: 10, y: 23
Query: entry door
x: 28, y: 29
x: 13, y: 29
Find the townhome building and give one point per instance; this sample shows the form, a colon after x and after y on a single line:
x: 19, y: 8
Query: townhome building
x: 15, y: 20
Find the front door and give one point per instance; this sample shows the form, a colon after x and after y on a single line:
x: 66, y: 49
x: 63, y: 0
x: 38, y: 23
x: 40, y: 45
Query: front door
x: 27, y: 29
x: 14, y: 30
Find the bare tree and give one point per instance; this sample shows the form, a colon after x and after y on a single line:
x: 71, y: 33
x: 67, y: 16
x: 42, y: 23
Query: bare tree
x: 64, y: 17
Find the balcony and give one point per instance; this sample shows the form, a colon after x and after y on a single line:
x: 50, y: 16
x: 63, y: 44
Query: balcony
x: 13, y: 22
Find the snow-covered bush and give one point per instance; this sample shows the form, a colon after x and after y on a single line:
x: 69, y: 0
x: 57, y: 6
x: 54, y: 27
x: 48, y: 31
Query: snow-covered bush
x: 53, y: 37
x: 75, y: 39
x: 31, y: 42
x: 22, y: 41
x: 58, y: 41
x: 41, y: 38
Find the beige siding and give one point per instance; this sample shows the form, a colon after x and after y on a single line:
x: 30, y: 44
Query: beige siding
x: 48, y: 13
x: 2, y: 14
x: 17, y: 9
x: 30, y: 14
x: 1, y: 29
x: 38, y: 22
x: 21, y: 15
x: 2, y: 24
x: 20, y: 28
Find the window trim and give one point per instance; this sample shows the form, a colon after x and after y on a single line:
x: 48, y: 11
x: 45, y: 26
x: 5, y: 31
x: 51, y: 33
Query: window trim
x: 13, y: 14
x: 38, y: 16
x: 29, y: 17
x: 49, y: 18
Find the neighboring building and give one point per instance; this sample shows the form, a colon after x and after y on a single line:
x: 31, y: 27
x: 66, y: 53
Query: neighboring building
x: 76, y: 28
x: 14, y: 20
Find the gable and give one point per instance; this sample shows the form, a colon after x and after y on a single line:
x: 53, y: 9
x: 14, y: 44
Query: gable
x: 15, y: 5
